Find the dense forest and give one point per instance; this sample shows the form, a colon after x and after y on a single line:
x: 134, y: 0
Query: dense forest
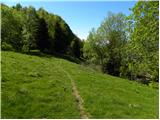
x: 124, y: 46
x: 25, y: 29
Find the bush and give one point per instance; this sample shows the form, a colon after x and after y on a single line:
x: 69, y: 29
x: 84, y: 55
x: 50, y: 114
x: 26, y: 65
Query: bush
x: 6, y: 47
x: 154, y: 85
x: 92, y: 66
x: 67, y: 57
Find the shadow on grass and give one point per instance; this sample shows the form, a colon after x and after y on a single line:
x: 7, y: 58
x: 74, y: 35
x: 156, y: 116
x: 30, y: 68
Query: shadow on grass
x: 57, y: 55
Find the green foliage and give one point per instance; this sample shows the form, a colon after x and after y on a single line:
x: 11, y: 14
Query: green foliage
x: 60, y: 35
x: 103, y: 46
x: 60, y: 42
x: 27, y: 29
x: 6, y: 47
x: 11, y: 27
x: 127, y: 46
x: 43, y: 42
x: 141, y: 52
x: 18, y: 7
x: 76, y: 46
x: 30, y: 29
x: 94, y: 48
x: 154, y: 85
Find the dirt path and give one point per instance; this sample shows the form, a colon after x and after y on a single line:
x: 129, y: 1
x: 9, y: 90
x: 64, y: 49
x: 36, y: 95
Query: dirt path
x: 77, y: 96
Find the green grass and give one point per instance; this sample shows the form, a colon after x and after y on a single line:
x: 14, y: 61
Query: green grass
x: 37, y: 87
x: 106, y: 96
x: 33, y: 87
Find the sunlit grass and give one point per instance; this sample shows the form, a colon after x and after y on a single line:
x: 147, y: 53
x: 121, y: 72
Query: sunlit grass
x: 35, y: 87
x: 106, y: 96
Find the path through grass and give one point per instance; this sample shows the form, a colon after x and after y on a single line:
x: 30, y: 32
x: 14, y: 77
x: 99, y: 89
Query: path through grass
x: 77, y: 96
x: 106, y: 96
x: 40, y: 87
x: 33, y: 87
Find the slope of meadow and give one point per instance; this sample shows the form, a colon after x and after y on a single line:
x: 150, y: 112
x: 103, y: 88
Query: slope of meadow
x: 40, y: 87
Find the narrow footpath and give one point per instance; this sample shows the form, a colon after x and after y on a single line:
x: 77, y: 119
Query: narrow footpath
x: 77, y: 96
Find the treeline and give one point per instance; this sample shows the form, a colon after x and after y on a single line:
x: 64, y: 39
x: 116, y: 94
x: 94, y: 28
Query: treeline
x: 26, y: 29
x: 127, y: 46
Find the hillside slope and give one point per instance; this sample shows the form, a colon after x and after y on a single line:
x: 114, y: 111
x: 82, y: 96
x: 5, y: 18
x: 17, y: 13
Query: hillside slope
x: 41, y: 87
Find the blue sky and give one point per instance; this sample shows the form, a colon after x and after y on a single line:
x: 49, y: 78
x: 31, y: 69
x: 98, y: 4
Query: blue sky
x: 81, y: 16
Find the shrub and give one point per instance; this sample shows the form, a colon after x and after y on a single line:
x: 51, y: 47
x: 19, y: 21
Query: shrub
x: 7, y: 47
x: 154, y: 84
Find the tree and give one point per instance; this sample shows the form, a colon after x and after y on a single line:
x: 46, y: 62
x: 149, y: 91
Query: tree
x: 116, y: 43
x: 103, y: 46
x: 63, y: 36
x: 59, y: 40
x: 11, y: 24
x: 25, y: 29
x: 18, y: 7
x: 30, y: 30
x: 43, y: 42
x: 76, y: 46
x: 141, y: 53
x: 60, y: 35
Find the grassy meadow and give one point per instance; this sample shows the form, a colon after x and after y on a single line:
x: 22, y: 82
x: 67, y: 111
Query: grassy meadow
x: 33, y: 87
x: 38, y: 87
